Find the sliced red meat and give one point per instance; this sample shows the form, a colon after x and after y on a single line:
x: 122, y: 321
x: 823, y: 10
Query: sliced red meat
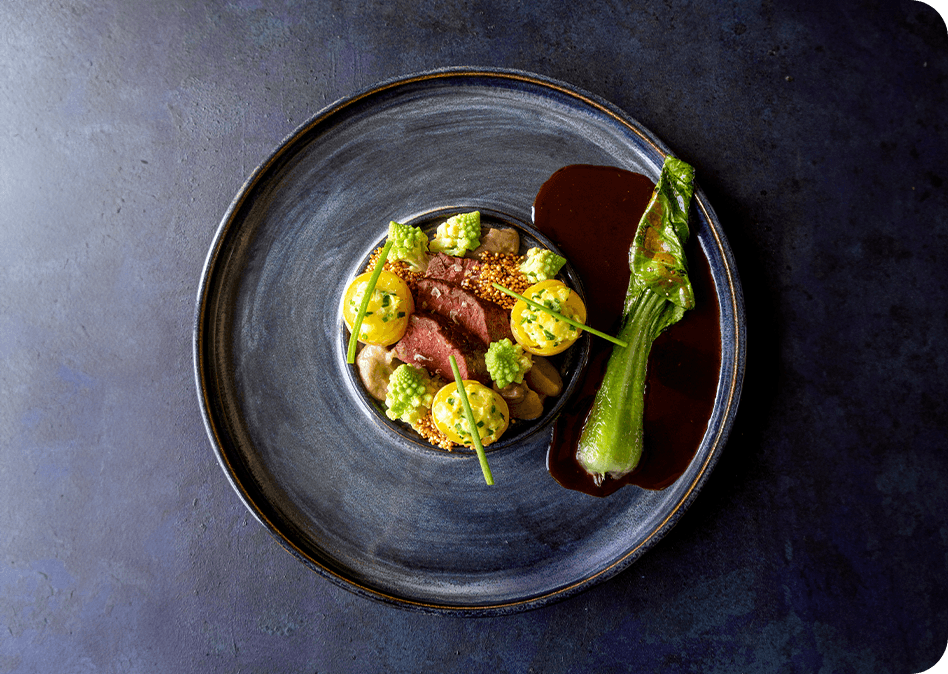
x: 432, y: 339
x: 485, y: 321
x: 449, y: 268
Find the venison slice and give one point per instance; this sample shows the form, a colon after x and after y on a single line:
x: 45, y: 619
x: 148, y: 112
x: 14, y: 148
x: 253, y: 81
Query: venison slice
x: 430, y: 341
x: 448, y: 268
x: 483, y: 320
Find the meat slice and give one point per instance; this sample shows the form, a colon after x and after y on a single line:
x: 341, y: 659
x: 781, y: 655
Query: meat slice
x: 432, y: 339
x: 449, y: 268
x: 483, y: 320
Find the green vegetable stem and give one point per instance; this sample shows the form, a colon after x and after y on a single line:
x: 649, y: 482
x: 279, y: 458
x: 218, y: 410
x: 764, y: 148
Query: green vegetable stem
x: 659, y: 293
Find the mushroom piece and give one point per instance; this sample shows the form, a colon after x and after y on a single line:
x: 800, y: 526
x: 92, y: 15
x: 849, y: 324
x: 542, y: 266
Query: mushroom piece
x: 544, y: 378
x: 529, y: 407
x: 512, y: 393
x: 506, y: 240
x: 376, y: 364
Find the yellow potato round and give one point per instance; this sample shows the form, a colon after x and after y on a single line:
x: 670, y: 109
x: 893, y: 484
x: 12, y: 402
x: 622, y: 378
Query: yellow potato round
x: 491, y: 414
x: 386, y: 318
x: 537, y: 331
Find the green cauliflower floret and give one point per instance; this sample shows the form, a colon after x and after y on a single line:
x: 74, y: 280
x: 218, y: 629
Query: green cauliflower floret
x: 410, y: 393
x: 507, y: 362
x: 458, y: 234
x: 541, y: 264
x: 409, y: 244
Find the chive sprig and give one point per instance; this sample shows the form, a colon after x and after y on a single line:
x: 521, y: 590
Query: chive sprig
x: 571, y: 321
x: 469, y: 414
x: 357, y: 323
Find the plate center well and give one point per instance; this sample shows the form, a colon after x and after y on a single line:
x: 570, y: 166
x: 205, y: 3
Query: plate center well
x: 569, y: 363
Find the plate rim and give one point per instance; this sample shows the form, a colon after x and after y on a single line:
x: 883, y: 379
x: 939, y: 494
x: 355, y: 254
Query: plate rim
x: 734, y: 378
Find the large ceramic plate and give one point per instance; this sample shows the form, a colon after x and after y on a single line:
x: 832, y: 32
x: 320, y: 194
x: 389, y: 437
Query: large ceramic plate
x: 338, y: 488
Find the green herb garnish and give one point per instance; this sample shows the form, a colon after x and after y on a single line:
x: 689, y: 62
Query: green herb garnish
x: 469, y: 414
x: 556, y: 314
x: 357, y: 323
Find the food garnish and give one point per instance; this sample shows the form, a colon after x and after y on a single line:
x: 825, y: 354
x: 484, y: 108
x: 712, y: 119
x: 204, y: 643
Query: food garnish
x: 482, y: 428
x: 386, y: 314
x: 458, y: 234
x: 409, y: 245
x: 552, y: 312
x: 507, y: 362
x: 548, y: 319
x: 541, y: 264
x: 410, y: 393
x: 356, y: 326
x: 658, y: 295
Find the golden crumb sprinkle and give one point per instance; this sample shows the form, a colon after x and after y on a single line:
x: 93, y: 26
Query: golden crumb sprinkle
x: 502, y: 269
x: 427, y: 429
x: 397, y: 267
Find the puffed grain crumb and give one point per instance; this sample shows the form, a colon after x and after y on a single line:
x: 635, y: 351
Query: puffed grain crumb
x: 427, y: 429
x: 500, y: 268
x: 397, y: 267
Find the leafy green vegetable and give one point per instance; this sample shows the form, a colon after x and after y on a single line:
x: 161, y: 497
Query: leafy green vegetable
x: 659, y: 293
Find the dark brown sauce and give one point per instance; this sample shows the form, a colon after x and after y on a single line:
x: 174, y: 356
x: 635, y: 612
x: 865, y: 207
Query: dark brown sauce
x: 591, y: 213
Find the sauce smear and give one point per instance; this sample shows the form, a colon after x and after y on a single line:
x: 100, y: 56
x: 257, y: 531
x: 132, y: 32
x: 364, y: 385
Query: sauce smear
x: 591, y: 213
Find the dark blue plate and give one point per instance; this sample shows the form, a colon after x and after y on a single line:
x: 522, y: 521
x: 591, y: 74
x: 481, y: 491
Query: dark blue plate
x: 338, y: 486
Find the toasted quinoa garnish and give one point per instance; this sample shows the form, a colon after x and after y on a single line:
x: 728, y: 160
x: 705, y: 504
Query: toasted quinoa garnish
x: 397, y: 267
x: 500, y: 268
x: 427, y: 429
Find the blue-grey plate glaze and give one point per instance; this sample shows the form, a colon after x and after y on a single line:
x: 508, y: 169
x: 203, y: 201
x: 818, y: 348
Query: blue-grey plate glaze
x: 341, y: 489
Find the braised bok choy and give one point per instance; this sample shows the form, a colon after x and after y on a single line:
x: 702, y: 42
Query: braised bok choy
x: 658, y: 295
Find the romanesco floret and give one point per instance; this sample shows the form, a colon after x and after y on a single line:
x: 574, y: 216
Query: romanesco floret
x: 541, y: 264
x: 410, y: 393
x: 409, y: 244
x: 507, y: 362
x: 458, y: 234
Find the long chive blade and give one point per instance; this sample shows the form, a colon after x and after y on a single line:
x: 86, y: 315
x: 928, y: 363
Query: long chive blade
x: 469, y: 413
x: 573, y: 322
x: 357, y: 324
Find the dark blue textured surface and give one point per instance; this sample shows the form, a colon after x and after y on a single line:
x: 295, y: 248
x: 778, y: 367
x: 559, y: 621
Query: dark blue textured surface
x: 818, y: 132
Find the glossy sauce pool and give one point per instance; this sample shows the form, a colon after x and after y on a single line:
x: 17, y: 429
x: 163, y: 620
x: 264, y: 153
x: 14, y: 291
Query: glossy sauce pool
x: 591, y: 213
